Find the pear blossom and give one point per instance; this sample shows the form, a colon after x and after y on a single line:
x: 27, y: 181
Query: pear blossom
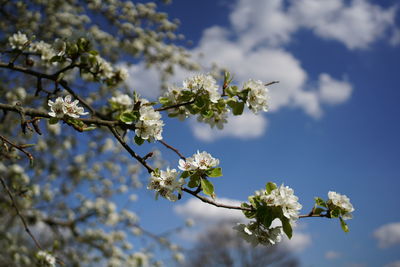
x: 45, y: 50
x: 122, y: 100
x: 149, y: 126
x: 203, y: 82
x: 284, y: 197
x: 65, y: 106
x: 59, y: 47
x: 257, y: 98
x: 166, y: 183
x: 18, y: 40
x: 46, y: 259
x: 199, y: 161
x: 57, y: 107
x: 204, y: 161
x: 342, y: 202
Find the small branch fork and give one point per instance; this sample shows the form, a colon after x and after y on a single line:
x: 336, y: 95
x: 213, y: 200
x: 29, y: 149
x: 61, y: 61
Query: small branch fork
x: 111, y: 125
x: 19, y: 147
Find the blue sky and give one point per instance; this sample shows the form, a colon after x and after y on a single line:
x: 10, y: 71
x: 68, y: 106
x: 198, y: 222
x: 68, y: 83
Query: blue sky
x: 333, y: 123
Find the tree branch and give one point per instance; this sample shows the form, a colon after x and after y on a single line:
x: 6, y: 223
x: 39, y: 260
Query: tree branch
x: 14, y: 204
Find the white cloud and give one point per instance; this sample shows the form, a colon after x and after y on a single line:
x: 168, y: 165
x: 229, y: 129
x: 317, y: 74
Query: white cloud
x: 356, y: 24
x: 332, y: 91
x: 388, y: 235
x: 143, y: 80
x: 299, y: 242
x: 331, y: 255
x: 246, y: 126
x: 253, y: 47
x: 203, y: 212
x: 393, y: 264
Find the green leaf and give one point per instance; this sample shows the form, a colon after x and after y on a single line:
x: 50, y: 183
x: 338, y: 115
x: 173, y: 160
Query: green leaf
x: 53, y: 120
x: 344, y: 226
x: 185, y: 174
x: 335, y: 213
x: 287, y: 228
x: 265, y: 215
x: 207, y: 114
x: 231, y: 91
x: 249, y: 214
x: 127, y: 117
x: 208, y: 187
x: 55, y: 59
x: 194, y: 181
x: 93, y: 52
x: 270, y: 186
x: 139, y: 141
x: 200, y: 102
x: 214, y: 172
x: 163, y: 100
x: 320, y: 202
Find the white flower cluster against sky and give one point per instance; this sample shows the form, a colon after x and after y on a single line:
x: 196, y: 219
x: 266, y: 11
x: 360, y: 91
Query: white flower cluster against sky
x: 332, y: 122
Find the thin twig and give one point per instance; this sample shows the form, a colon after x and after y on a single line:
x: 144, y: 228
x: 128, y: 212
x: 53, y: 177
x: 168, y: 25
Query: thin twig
x: 172, y: 148
x: 271, y: 83
x: 19, y: 214
x: 20, y: 148
x: 175, y: 106
x: 41, y: 113
x: 129, y: 149
x: 212, y: 202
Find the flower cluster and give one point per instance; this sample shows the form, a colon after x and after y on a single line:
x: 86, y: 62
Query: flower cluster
x: 65, y: 106
x: 258, y: 95
x: 275, y: 211
x: 203, y: 82
x: 121, y: 101
x: 199, y: 161
x: 45, y: 50
x: 341, y: 202
x: 45, y: 259
x: 165, y: 183
x: 284, y: 198
x: 18, y: 40
x: 149, y: 126
x: 255, y: 234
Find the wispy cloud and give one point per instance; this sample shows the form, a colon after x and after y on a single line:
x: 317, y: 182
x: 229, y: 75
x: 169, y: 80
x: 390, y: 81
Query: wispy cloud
x: 388, y: 235
x: 246, y: 126
x: 332, y: 255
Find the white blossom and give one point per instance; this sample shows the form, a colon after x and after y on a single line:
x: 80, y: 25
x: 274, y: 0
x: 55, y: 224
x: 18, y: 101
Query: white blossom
x: 166, y: 183
x: 122, y: 100
x: 204, y: 161
x: 65, y: 106
x: 199, y: 161
x: 284, y: 197
x: 203, y: 82
x: 257, y: 98
x: 59, y: 47
x: 342, y: 202
x: 149, y: 126
x: 18, y: 40
x: 46, y: 259
x: 46, y: 50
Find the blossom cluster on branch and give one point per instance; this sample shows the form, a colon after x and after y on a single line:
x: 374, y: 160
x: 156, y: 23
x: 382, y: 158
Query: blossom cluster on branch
x: 272, y: 212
